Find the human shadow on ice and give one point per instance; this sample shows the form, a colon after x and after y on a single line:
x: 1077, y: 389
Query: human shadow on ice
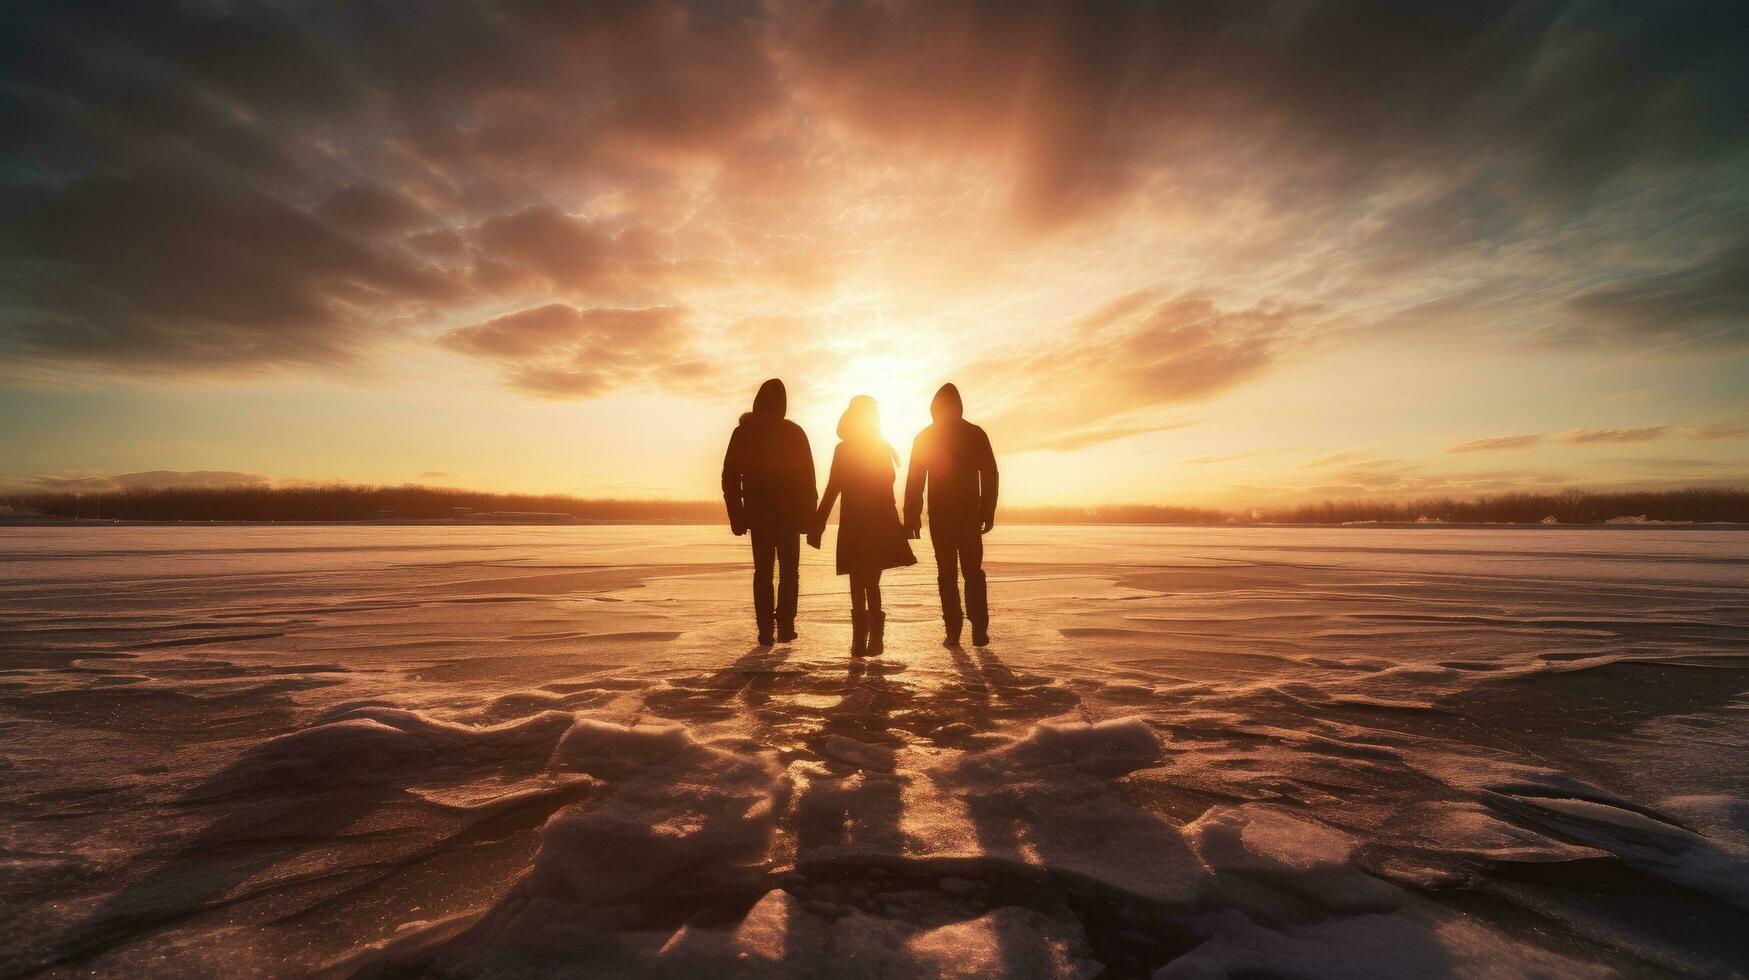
x: 749, y: 678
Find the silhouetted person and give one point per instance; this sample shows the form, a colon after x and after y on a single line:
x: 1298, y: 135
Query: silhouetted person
x: 954, y: 458
x: 870, y: 538
x: 768, y: 486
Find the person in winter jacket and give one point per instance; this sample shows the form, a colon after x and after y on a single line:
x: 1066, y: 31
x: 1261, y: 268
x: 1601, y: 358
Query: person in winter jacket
x: 952, y: 457
x: 768, y: 487
x: 870, y: 538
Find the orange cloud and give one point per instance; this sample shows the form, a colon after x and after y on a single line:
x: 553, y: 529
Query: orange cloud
x: 1114, y: 372
x: 1580, y: 437
x: 1720, y: 430
x: 1495, y: 444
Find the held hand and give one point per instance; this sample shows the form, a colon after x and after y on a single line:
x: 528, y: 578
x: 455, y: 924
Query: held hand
x: 989, y: 522
x: 914, y: 529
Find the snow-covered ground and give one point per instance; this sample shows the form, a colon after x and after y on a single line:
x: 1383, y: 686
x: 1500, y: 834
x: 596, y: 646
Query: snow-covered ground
x: 1190, y: 752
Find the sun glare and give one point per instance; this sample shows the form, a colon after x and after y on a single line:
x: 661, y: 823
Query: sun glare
x: 902, y: 390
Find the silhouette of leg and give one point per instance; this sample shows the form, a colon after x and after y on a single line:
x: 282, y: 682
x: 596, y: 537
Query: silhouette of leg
x: 877, y: 620
x: 858, y: 614
x: 971, y: 555
x: 764, y: 556
x: 941, y: 539
x: 788, y: 584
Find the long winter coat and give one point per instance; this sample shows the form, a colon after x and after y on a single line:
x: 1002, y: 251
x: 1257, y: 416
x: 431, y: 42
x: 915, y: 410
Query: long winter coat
x: 870, y: 537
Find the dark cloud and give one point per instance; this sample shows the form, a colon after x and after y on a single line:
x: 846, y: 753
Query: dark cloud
x: 1581, y: 437
x: 173, y: 273
x: 374, y: 210
x: 1500, y: 96
x: 1706, y: 301
x: 204, y: 187
x: 560, y: 351
x: 1495, y: 444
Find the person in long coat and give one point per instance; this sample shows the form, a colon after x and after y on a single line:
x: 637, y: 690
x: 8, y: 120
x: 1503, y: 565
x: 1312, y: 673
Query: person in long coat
x: 870, y: 537
x: 952, y: 457
x: 768, y: 488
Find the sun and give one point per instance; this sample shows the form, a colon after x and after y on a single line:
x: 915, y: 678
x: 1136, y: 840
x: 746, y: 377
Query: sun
x: 902, y: 390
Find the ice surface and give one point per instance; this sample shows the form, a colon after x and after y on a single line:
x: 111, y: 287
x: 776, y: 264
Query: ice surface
x: 1190, y: 752
x: 685, y: 820
x: 1369, y: 946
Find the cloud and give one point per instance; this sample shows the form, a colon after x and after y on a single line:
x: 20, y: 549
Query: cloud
x: 1122, y: 368
x: 1704, y: 302
x: 174, y: 274
x: 436, y: 475
x: 1229, y: 458
x: 1719, y: 430
x: 560, y: 351
x: 374, y: 210
x: 1644, y: 462
x: 1495, y: 444
x: 1581, y: 437
x: 191, y: 189
x: 1085, y: 100
x: 567, y: 253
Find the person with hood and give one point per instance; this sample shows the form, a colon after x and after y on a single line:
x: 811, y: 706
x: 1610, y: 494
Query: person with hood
x: 953, y: 457
x: 870, y: 538
x: 768, y: 487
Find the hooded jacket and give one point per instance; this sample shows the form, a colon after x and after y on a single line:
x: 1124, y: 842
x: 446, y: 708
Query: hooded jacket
x: 768, y: 471
x: 954, y: 458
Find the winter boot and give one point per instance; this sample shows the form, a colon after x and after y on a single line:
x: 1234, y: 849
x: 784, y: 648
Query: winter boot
x: 877, y: 633
x: 858, y: 634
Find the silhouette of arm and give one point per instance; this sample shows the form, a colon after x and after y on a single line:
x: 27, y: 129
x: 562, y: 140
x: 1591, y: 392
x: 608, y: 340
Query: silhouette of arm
x: 810, y: 489
x: 916, y: 474
x: 988, y: 479
x: 733, y: 500
x: 828, y: 497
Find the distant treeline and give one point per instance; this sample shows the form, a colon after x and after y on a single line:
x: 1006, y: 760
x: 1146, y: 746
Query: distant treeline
x: 349, y: 502
x: 1700, y: 504
x: 1113, y: 514
x: 343, y: 502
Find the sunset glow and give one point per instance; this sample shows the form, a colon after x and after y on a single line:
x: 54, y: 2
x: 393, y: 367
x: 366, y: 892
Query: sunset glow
x: 1016, y: 489
x: 1200, y: 258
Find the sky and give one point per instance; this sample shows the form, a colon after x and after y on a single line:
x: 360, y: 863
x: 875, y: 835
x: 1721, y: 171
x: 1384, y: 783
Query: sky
x: 1211, y: 253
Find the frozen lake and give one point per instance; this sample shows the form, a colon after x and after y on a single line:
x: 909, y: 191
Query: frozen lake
x: 1188, y: 752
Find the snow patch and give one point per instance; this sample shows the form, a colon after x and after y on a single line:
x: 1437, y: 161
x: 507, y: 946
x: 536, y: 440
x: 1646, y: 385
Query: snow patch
x: 1296, y: 855
x: 369, y: 745
x: 690, y: 818
x: 1107, y: 748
